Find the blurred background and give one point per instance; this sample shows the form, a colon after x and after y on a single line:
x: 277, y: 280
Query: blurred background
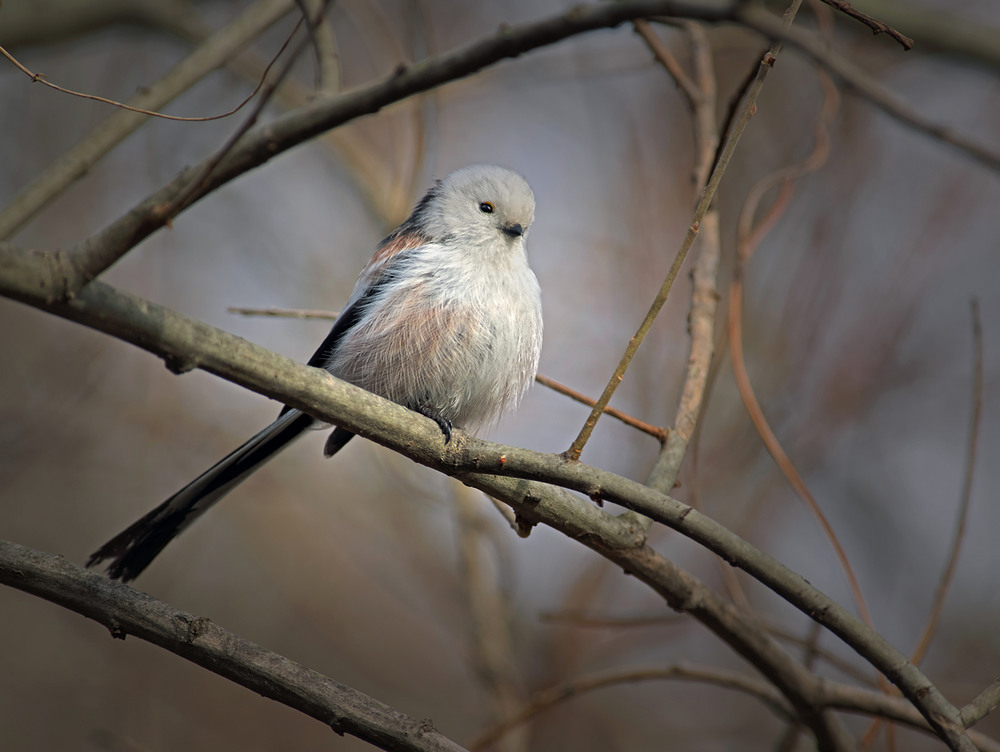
x: 858, y: 340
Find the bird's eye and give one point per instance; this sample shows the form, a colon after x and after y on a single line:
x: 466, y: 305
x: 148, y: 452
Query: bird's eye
x: 486, y: 207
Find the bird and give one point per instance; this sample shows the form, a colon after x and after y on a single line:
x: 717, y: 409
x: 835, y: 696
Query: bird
x: 445, y: 319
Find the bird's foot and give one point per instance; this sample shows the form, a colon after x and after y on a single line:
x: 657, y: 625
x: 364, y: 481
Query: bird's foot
x: 443, y: 423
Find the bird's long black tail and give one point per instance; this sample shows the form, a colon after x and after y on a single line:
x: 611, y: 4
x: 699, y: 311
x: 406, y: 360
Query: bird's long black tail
x: 134, y: 548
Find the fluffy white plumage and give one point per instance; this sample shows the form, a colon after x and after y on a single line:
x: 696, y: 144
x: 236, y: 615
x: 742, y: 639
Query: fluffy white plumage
x: 451, y: 315
x: 445, y: 319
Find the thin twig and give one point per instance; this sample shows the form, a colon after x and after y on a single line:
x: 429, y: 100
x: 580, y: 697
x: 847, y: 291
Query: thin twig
x: 865, y: 84
x: 750, y: 105
x: 966, y: 494
x: 750, y: 238
x: 288, y: 313
x: 186, y: 193
x: 552, y: 696
x: 660, y: 434
x: 214, y: 51
x: 877, y: 27
x: 701, y: 92
x: 40, y: 78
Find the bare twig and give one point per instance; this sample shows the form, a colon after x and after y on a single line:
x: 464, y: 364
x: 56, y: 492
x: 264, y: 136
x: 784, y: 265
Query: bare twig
x: 866, y: 85
x: 488, y: 631
x: 966, y: 494
x: 877, y: 27
x: 40, y: 78
x: 749, y: 238
x: 211, y: 53
x: 660, y: 434
x: 701, y: 94
x: 548, y: 698
x: 750, y: 104
x: 286, y: 313
x: 165, y: 213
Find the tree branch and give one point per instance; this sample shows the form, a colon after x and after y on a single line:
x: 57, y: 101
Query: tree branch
x: 185, y: 344
x: 88, y: 259
x: 75, y: 163
x: 126, y: 611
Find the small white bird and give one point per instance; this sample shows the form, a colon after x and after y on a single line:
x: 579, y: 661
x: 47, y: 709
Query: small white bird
x: 445, y: 319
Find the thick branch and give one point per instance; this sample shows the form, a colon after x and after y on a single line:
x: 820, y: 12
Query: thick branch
x: 125, y: 611
x: 91, y: 257
x: 185, y: 344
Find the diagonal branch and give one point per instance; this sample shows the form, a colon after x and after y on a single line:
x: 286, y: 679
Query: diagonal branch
x: 74, y: 163
x: 704, y: 202
x: 126, y: 611
x: 865, y: 85
x: 185, y: 344
x: 90, y: 258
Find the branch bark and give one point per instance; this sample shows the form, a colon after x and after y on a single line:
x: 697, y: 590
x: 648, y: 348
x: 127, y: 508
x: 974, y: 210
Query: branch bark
x: 126, y: 611
x: 185, y: 344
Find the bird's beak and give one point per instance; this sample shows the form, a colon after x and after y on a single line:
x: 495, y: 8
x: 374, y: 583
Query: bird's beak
x: 515, y: 230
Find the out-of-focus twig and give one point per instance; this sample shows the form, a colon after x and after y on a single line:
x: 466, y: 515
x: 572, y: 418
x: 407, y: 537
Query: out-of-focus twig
x: 750, y: 236
x: 963, y: 505
x: 41, y: 78
x: 286, y: 313
x: 749, y: 107
x: 211, y: 53
x: 877, y: 27
x: 490, y: 639
x: 866, y: 85
x: 201, y: 174
x: 700, y: 91
x: 548, y: 698
x: 966, y: 494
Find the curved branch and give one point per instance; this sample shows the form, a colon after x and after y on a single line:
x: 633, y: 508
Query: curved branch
x: 91, y: 257
x: 185, y: 344
x: 126, y: 611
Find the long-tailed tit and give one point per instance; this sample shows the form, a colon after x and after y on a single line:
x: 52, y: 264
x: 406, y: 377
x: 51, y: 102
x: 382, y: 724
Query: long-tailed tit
x: 445, y: 319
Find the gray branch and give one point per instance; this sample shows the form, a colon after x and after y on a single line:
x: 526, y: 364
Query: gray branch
x: 126, y: 611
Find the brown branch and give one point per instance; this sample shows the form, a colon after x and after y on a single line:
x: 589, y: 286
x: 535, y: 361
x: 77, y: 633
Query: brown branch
x: 965, y: 496
x: 982, y: 705
x: 750, y: 238
x: 207, y: 57
x: 40, y: 78
x: 865, y: 85
x: 287, y: 313
x: 877, y: 27
x: 702, y: 95
x: 125, y: 611
x: 660, y: 434
x: 708, y: 194
x: 88, y: 259
x: 548, y: 698
x: 186, y: 344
